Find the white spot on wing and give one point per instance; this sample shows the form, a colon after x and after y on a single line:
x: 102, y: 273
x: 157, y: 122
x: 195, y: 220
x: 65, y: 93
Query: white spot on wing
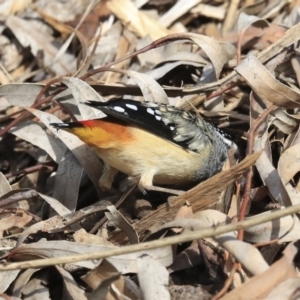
x: 149, y: 104
x: 150, y: 111
x: 131, y: 106
x: 119, y: 109
x: 158, y: 118
x: 158, y: 112
x: 172, y: 128
x: 224, y: 138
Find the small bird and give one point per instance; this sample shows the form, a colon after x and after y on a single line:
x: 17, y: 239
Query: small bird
x: 158, y: 144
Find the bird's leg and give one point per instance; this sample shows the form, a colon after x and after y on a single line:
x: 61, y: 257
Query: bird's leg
x: 146, y: 183
x: 164, y: 190
x: 107, y: 178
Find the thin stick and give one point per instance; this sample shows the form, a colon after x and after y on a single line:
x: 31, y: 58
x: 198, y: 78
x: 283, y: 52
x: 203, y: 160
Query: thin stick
x: 246, y: 195
x: 190, y: 236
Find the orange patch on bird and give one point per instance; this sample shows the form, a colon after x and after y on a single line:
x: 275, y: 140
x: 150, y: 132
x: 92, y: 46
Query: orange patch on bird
x: 102, y: 134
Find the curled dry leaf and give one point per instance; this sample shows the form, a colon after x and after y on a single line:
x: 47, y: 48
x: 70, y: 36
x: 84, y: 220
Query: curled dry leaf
x: 81, y: 236
x: 119, y: 221
x: 189, y: 257
x: 44, y: 226
x: 107, y: 289
x: 161, y: 71
x: 94, y: 278
x: 272, y: 180
x: 281, y: 190
x: 22, y: 94
x: 151, y: 90
x: 21, y: 281
x: 288, y: 289
x: 137, y: 21
x: 293, y: 234
x: 29, y: 35
x: 85, y: 155
x: 153, y: 278
x: 287, y: 228
x: 6, y: 279
x: 240, y: 250
x: 283, y: 121
x: 71, y: 288
x: 33, y: 133
x: 4, y: 185
x: 36, y: 288
x: 60, y: 209
x: 262, y: 284
x: 289, y: 164
x: 184, y: 57
x: 82, y: 92
x: 66, y: 188
x: 269, y: 174
x: 245, y: 21
x: 176, y: 11
x: 12, y: 198
x: 97, y: 278
x: 265, y: 85
x: 18, y: 219
x: 219, y: 53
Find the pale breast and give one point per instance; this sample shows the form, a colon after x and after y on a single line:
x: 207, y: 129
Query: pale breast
x: 171, y: 163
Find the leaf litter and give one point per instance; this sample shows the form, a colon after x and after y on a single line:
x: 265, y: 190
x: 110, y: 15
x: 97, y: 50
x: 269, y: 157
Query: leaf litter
x: 234, y: 63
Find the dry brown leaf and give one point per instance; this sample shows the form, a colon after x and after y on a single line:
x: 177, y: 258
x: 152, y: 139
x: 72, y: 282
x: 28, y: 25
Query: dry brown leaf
x: 265, y: 85
x: 161, y: 71
x: 287, y: 230
x: 102, y: 273
x: 283, y: 121
x: 45, y: 226
x: 184, y: 212
x: 153, y: 278
x: 36, y: 288
x: 209, y: 11
x: 218, y: 52
x: 6, y: 279
x: 85, y: 154
x: 151, y: 90
x: 269, y: 174
x: 33, y: 133
x: 12, y: 7
x: 4, y: 185
x: 239, y: 249
x: 81, y: 236
x: 179, y: 9
x: 29, y: 35
x: 63, y: 11
x: 82, y: 92
x: 261, y: 285
x: 288, y: 289
x: 189, y: 257
x: 21, y: 281
x: 18, y: 219
x: 289, y: 164
x: 246, y: 20
x: 66, y: 188
x: 21, y: 94
x: 136, y: 20
x: 71, y: 288
x: 116, y: 218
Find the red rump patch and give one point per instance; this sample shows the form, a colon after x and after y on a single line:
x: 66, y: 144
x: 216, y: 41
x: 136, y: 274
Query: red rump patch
x: 89, y: 123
